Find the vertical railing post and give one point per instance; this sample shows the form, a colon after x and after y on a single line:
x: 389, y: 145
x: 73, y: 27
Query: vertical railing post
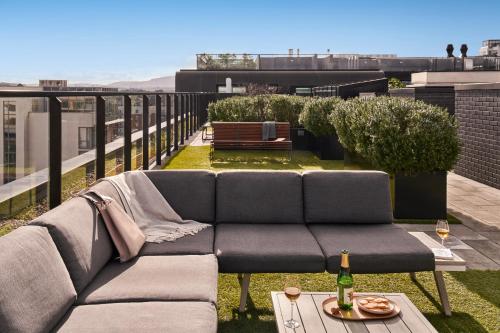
x: 196, y: 112
x: 176, y: 121
x: 188, y: 115
x: 191, y: 115
x: 169, y: 122
x: 100, y: 138
x: 145, y: 132
x: 183, y: 108
x: 127, y: 133
x: 55, y: 157
x: 158, y: 129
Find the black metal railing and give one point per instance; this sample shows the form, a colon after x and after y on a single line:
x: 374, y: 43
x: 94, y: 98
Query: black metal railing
x: 185, y: 114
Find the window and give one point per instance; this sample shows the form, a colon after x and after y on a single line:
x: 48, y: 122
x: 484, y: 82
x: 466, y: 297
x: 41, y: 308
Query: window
x: 9, y: 141
x: 236, y: 89
x: 86, y: 139
x: 303, y: 91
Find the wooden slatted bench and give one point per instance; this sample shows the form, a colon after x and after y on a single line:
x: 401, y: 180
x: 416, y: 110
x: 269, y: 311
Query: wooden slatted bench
x: 248, y: 136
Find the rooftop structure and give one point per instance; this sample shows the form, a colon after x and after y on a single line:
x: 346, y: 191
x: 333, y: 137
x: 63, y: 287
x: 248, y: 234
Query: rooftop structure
x: 490, y: 48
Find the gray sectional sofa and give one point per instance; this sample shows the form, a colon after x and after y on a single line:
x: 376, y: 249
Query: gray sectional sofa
x: 58, y: 273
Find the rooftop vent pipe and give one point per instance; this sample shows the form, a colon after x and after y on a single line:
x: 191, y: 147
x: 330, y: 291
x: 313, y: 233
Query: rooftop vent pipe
x: 463, y: 50
x: 449, y: 50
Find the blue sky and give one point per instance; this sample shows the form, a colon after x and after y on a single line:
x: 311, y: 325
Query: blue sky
x: 110, y: 40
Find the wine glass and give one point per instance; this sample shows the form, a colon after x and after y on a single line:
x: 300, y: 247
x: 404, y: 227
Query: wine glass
x: 292, y: 292
x: 442, y: 230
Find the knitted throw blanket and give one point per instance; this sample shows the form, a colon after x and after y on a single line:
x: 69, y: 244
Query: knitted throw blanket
x: 150, y: 210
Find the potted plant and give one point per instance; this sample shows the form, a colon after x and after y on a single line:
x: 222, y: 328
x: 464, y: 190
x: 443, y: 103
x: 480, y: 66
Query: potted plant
x: 315, y: 118
x: 415, y: 142
x: 288, y: 108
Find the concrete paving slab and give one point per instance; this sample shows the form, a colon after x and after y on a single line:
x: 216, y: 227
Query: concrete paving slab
x: 493, y: 236
x: 478, y: 203
x: 476, y: 260
x: 487, y: 248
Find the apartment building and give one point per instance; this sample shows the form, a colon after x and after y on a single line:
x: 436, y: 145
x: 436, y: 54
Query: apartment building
x: 24, y: 143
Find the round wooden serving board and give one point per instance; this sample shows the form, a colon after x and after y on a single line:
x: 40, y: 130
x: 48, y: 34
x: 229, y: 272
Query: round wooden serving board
x: 355, y: 313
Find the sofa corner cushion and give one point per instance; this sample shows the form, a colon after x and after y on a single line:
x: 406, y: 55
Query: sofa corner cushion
x: 200, y: 243
x: 35, y: 287
x: 259, y: 197
x: 373, y: 248
x: 139, y: 317
x: 267, y: 248
x: 81, y: 237
x: 191, y: 193
x: 347, y: 197
x: 155, y: 278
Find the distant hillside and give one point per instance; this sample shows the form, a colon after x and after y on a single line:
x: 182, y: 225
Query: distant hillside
x: 166, y: 83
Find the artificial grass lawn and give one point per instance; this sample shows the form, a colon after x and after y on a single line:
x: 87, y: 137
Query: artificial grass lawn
x: 474, y: 295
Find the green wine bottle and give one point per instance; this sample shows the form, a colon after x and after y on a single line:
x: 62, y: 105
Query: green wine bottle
x: 344, y: 282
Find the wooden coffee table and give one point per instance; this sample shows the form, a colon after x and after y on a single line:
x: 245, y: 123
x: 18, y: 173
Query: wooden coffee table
x: 313, y: 319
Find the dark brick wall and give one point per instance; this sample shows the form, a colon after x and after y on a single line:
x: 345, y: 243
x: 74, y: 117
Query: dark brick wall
x: 478, y: 115
x: 440, y: 96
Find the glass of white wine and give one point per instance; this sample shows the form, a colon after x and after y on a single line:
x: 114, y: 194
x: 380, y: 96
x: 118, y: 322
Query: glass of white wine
x: 442, y: 230
x: 292, y: 292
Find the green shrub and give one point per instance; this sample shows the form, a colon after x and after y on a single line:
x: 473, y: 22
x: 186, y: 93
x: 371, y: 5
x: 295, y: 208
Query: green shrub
x: 286, y: 108
x: 398, y: 135
x: 396, y: 83
x: 315, y: 116
x: 239, y: 108
x: 258, y: 108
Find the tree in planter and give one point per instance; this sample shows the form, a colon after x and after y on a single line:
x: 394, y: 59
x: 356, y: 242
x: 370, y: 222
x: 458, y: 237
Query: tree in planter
x: 398, y: 135
x: 238, y: 108
x: 286, y: 108
x: 315, y: 118
x: 262, y: 107
x: 412, y: 140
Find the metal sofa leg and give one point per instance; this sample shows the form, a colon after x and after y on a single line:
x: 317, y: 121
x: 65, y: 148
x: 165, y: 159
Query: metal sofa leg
x: 244, y: 283
x: 443, y: 294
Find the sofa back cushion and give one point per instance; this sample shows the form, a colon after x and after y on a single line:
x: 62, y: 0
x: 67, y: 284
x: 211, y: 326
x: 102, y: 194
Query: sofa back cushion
x: 191, y: 193
x: 35, y: 287
x: 259, y: 197
x: 80, y: 236
x: 347, y: 197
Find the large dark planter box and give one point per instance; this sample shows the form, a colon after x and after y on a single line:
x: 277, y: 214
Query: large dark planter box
x: 302, y: 139
x: 329, y: 148
x: 421, y: 196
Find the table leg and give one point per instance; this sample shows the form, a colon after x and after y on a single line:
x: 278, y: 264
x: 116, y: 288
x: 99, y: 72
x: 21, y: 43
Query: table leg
x: 443, y: 294
x: 413, y: 276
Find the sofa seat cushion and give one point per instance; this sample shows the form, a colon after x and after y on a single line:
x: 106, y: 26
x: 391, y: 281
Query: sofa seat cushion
x: 155, y: 278
x: 199, y: 243
x: 347, y: 197
x: 171, y: 317
x: 259, y: 197
x: 191, y: 193
x: 267, y: 248
x: 35, y: 288
x: 373, y: 248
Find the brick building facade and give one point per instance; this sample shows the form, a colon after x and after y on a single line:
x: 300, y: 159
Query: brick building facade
x: 477, y: 108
